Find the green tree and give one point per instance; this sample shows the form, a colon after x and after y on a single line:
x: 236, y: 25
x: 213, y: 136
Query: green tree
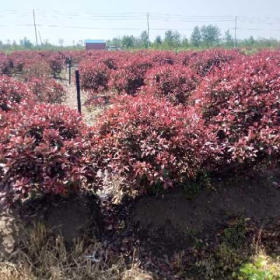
x: 128, y: 42
x: 157, y: 42
x: 172, y: 38
x: 185, y: 42
x: 251, y: 41
x: 210, y: 35
x: 228, y: 39
x: 144, y: 39
x: 25, y: 43
x: 196, y: 37
x: 115, y: 43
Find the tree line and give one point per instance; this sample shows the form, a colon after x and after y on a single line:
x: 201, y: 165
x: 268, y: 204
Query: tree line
x: 206, y: 36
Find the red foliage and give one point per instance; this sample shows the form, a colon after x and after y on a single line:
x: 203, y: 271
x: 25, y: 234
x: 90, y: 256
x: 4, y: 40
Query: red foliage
x: 148, y: 141
x: 94, y: 75
x: 47, y: 90
x: 43, y: 150
x: 5, y: 64
x: 55, y: 60
x: 204, y: 62
x: 129, y: 76
x: 37, y: 63
x: 12, y: 93
x: 159, y: 58
x: 176, y: 82
x: 227, y: 114
x: 36, y: 69
x: 242, y: 105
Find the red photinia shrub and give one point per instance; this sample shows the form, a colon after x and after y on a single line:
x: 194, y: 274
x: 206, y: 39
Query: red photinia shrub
x: 20, y: 58
x: 47, y: 90
x: 5, y: 64
x: 55, y: 60
x: 43, y: 150
x: 148, y: 141
x: 184, y: 57
x: 36, y: 69
x: 12, y: 93
x: 129, y: 76
x: 204, y: 62
x: 95, y: 72
x: 176, y: 82
x: 94, y: 75
x: 17, y: 60
x: 76, y: 56
x: 37, y: 63
x: 159, y: 58
x: 242, y: 105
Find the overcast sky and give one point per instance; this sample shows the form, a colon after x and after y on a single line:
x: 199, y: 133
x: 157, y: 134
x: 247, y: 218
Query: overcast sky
x: 74, y: 20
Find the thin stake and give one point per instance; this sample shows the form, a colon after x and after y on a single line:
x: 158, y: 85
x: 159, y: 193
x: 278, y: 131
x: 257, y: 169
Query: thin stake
x: 70, y: 66
x: 77, y: 75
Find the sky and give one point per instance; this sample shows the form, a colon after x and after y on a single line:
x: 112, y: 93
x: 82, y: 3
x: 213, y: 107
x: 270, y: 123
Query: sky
x: 76, y: 20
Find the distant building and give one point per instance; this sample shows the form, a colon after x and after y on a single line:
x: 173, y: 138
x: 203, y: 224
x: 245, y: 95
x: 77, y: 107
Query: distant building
x: 95, y: 44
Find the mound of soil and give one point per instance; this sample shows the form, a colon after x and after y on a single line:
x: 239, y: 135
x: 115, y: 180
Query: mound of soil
x: 177, y: 219
x: 74, y: 217
x: 71, y: 217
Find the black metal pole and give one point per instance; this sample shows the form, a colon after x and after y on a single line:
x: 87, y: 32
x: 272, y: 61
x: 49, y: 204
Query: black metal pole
x: 69, y: 73
x: 77, y: 75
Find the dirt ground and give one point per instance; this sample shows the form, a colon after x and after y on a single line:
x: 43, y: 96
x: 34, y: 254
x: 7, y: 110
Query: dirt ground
x: 89, y: 114
x: 177, y: 219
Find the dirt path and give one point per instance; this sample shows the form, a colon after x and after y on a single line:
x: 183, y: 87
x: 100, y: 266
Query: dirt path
x: 89, y: 115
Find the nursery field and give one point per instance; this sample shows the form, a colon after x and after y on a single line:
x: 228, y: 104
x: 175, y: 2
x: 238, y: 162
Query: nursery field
x: 170, y: 172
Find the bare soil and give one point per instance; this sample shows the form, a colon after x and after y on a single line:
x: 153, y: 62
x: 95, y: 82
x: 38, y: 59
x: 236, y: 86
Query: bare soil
x: 177, y: 220
x: 89, y: 114
x: 72, y: 217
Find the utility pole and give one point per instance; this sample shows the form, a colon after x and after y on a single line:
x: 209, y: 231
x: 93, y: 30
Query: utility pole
x: 148, y: 28
x: 235, y: 28
x: 35, y: 28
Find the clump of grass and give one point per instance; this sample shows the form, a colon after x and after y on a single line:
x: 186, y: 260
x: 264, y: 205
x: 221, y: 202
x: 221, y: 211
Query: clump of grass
x: 262, y: 267
x: 10, y: 271
x: 43, y: 255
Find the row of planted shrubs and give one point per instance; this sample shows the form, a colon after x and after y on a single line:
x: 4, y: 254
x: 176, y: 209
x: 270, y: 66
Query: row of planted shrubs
x: 162, y: 72
x: 44, y: 63
x: 226, y: 120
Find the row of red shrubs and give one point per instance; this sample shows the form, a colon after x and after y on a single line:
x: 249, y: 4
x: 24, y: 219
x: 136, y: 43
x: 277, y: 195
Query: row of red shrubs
x: 161, y: 72
x: 225, y: 117
x: 43, y: 63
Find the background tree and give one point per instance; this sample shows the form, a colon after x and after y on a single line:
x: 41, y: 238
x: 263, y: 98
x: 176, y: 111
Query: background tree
x: 144, y: 39
x: 172, y: 39
x: 185, y: 42
x: 115, y: 42
x: 196, y: 37
x: 210, y: 35
x: 251, y: 41
x: 128, y: 42
x: 25, y: 43
x: 228, y: 39
x: 157, y: 42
